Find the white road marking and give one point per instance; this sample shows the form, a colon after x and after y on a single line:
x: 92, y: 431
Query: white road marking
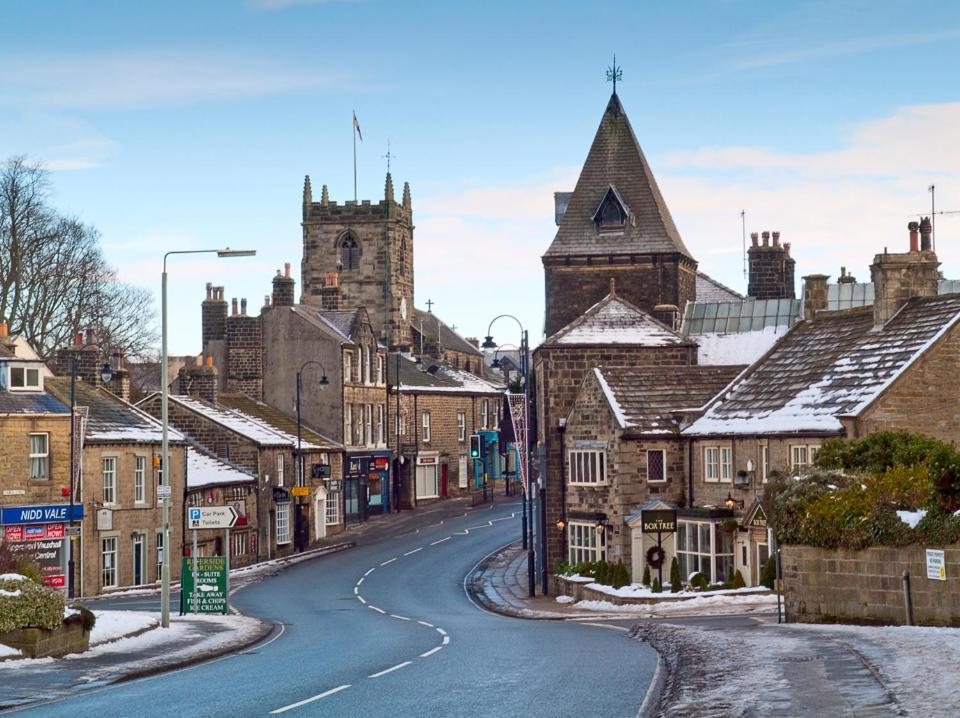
x: 389, y: 670
x: 378, y: 610
x: 441, y: 632
x: 446, y: 640
x: 390, y: 561
x: 431, y: 652
x: 605, y: 625
x: 651, y: 689
x: 311, y: 700
x: 402, y: 618
x: 369, y: 571
x: 408, y: 553
x: 360, y: 581
x: 424, y: 623
x: 441, y: 541
x: 356, y: 590
x: 362, y: 599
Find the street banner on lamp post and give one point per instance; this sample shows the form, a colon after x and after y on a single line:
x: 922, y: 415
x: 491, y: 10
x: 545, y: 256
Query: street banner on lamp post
x: 518, y: 414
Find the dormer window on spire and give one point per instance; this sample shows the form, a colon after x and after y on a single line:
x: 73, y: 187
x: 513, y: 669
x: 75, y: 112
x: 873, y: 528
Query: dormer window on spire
x: 613, y: 213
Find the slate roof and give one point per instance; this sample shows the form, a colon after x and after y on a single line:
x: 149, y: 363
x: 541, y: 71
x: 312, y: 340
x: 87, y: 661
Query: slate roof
x: 616, y: 160
x: 832, y: 366
x: 345, y: 321
x: 650, y: 400
x: 710, y: 290
x: 318, y: 319
x: 449, y: 339
x: 31, y: 402
x: 206, y: 470
x: 276, y: 419
x: 110, y: 419
x: 437, y: 377
x: 613, y: 320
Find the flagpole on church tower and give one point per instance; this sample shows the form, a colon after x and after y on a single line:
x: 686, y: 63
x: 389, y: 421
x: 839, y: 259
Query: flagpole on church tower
x: 356, y: 131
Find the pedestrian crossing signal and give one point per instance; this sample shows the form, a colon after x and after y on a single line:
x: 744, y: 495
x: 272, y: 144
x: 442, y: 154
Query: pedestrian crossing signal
x: 475, y: 446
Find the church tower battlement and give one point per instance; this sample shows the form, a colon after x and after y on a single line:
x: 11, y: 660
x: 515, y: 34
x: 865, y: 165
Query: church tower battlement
x: 361, y: 255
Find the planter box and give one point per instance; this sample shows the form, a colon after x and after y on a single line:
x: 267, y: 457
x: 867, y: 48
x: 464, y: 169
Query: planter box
x: 40, y: 642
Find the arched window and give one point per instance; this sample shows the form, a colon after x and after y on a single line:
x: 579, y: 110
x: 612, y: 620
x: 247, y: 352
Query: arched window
x: 349, y: 253
x: 402, y: 263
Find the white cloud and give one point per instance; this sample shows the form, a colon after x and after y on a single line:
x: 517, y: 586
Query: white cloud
x: 146, y: 78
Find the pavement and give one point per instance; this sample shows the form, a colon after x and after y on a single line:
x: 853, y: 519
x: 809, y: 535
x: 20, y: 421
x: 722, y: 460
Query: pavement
x: 387, y: 628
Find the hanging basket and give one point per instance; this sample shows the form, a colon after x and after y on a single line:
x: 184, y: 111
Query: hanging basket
x: 655, y: 556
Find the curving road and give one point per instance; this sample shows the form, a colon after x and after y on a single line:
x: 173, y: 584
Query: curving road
x: 386, y: 629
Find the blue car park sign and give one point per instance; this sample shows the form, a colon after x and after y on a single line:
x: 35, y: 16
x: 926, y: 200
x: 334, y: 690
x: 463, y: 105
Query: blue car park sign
x: 54, y: 513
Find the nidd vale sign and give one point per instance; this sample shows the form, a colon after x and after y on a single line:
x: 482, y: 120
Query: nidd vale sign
x: 655, y: 521
x: 50, y: 514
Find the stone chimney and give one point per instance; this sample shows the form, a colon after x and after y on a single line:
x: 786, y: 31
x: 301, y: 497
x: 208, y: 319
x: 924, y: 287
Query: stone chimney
x: 200, y: 379
x: 897, y: 278
x: 814, y: 294
x: 213, y: 315
x: 926, y: 235
x: 845, y: 278
x: 283, y: 288
x: 331, y: 298
x: 771, y: 268
x: 244, y: 354
x: 87, y: 354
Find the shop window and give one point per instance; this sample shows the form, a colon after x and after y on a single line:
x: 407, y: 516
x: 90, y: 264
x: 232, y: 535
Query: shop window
x: 585, y: 542
x: 283, y: 523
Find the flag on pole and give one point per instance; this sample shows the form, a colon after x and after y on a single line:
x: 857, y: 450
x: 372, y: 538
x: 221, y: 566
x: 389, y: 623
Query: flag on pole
x: 356, y: 125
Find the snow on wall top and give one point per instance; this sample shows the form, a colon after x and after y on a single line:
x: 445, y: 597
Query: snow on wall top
x: 832, y: 366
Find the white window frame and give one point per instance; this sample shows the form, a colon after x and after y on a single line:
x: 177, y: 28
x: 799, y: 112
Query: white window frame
x: 427, y: 434
x: 587, y: 467
x: 139, y: 479
x: 585, y: 542
x: 347, y: 366
x: 358, y: 366
x: 348, y: 424
x: 239, y: 543
x: 28, y: 373
x: 380, y: 380
x: 282, y: 523
x: 108, y: 473
x: 809, y: 454
x: 663, y: 466
x: 461, y: 426
x: 109, y: 569
x: 427, y: 478
x: 764, y: 460
x: 280, y: 469
x: 368, y: 425
x: 332, y: 509
x: 726, y: 464
x: 711, y: 464
x: 195, y: 498
x: 381, y: 425
x: 40, y: 459
x: 710, y: 555
x: 484, y: 414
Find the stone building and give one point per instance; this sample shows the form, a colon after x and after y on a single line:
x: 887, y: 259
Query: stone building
x: 440, y: 407
x: 361, y: 255
x: 616, y: 224
x: 622, y: 447
x: 259, y: 439
x: 122, y: 537
x: 433, y: 339
x: 612, y: 333
x: 214, y: 482
x: 836, y: 373
x: 771, y: 268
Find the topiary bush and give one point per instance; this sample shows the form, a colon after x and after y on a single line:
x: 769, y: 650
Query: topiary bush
x: 699, y: 582
x: 601, y: 572
x: 769, y: 575
x: 676, y: 585
x: 26, y: 604
x: 656, y: 585
x: 738, y: 581
x: 646, y: 575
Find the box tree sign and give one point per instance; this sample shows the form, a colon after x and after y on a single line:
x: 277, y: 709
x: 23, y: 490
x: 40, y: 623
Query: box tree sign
x: 210, y: 593
x: 657, y: 521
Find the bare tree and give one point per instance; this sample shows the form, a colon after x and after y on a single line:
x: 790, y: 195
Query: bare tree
x: 54, y: 280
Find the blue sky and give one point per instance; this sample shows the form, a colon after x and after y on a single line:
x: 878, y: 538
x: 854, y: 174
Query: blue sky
x: 184, y: 125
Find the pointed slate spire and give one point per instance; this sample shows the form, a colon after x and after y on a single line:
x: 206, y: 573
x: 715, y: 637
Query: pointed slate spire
x: 406, y: 196
x: 388, y: 188
x: 616, y: 161
x: 324, y: 197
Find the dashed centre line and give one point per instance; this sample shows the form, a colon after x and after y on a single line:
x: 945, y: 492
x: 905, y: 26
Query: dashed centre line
x: 374, y: 608
x: 390, y: 670
x: 431, y: 651
x: 402, y: 618
x: 434, y: 543
x: 311, y: 699
x: 390, y: 561
x: 410, y: 553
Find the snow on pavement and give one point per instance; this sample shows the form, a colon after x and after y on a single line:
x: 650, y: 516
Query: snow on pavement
x: 112, y: 625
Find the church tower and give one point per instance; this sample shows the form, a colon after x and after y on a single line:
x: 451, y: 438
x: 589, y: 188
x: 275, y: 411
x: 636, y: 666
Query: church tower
x: 615, y: 225
x: 361, y: 255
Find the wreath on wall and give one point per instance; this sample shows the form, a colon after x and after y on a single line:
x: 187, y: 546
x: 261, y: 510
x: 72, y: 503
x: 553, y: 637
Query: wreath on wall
x: 655, y: 556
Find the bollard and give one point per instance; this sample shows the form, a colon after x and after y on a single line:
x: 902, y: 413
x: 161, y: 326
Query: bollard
x: 907, y: 602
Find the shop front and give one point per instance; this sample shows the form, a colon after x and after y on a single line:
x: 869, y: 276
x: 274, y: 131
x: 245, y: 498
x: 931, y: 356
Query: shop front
x: 39, y: 534
x: 367, y: 485
x: 430, y: 477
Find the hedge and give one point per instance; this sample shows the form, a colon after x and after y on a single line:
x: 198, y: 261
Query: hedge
x: 30, y: 606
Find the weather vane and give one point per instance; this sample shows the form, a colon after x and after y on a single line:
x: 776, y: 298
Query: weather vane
x: 614, y: 73
x: 388, y: 156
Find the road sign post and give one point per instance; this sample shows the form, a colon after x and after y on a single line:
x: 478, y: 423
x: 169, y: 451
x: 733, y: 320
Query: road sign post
x: 207, y: 593
x: 211, y: 517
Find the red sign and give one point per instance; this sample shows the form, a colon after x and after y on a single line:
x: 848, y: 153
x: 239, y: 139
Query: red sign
x: 54, y: 531
x: 55, y: 581
x: 13, y: 533
x: 380, y: 462
x: 427, y: 460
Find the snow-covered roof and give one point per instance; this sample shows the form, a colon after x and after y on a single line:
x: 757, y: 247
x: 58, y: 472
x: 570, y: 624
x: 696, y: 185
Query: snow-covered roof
x: 653, y: 399
x: 832, y: 366
x: 743, y: 348
x: 438, y: 377
x: 204, y: 470
x: 614, y: 320
x: 241, y: 423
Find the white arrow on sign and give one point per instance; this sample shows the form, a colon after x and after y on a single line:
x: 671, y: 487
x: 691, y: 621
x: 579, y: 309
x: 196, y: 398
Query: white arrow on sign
x: 211, y: 517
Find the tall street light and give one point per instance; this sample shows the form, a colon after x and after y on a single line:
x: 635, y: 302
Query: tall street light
x: 324, y: 382
x: 165, y: 446
x: 527, y: 524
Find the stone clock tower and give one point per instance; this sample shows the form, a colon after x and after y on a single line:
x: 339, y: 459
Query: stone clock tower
x: 361, y: 255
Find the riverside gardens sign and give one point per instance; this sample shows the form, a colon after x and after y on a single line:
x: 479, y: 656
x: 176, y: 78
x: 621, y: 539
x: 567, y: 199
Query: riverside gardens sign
x: 659, y: 522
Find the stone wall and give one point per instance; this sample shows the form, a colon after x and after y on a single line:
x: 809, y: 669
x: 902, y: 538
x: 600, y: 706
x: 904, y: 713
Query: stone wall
x: 840, y: 586
x: 771, y: 269
x: 15, y: 459
x: 244, y: 355
x: 573, y: 285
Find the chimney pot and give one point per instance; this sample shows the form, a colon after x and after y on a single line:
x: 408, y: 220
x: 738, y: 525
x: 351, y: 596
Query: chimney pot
x: 199, y: 360
x: 766, y: 239
x: 266, y: 300
x: 78, y: 339
x: 243, y: 307
x: 233, y: 307
x: 926, y: 235
x: 786, y: 248
x: 776, y: 239
x: 286, y: 270
x: 3, y: 329
x: 90, y: 336
x: 208, y: 361
x: 754, y: 237
x: 209, y: 289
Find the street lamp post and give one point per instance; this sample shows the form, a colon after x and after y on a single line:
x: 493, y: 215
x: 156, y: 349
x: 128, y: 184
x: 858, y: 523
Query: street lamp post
x: 165, y: 444
x: 527, y: 522
x: 324, y: 382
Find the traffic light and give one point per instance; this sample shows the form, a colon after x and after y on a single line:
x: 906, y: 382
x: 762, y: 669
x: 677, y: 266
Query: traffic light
x: 475, y: 446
